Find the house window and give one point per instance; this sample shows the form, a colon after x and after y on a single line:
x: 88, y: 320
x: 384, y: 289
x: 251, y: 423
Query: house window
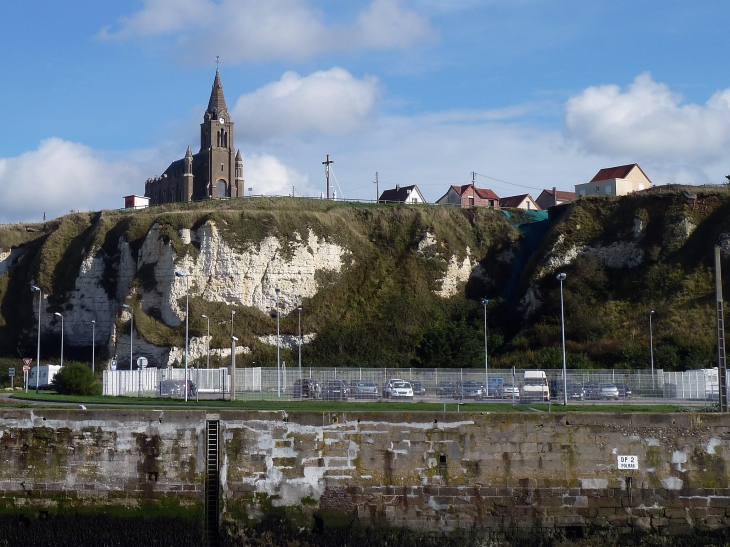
x: 491, y: 203
x: 414, y: 200
x: 471, y: 201
x: 582, y: 192
x: 608, y: 188
x: 528, y: 205
x: 641, y: 186
x: 598, y: 190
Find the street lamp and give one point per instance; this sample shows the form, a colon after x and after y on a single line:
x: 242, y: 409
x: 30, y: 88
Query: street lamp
x: 486, y: 362
x: 93, y: 344
x: 180, y: 274
x: 131, y: 333
x: 61, y: 316
x: 651, y: 351
x: 278, y: 362
x: 561, y: 277
x: 207, y: 343
x: 299, y: 309
x: 233, y: 367
x: 38, y: 354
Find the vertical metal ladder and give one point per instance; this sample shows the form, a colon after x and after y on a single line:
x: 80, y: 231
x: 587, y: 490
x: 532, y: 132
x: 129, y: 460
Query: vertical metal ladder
x: 212, y: 482
x: 722, y: 363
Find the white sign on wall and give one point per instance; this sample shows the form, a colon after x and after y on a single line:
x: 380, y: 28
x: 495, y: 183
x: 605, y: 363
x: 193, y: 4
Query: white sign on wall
x: 628, y: 462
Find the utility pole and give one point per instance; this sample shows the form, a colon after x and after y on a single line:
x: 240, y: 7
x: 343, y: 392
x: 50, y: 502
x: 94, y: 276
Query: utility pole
x: 473, y: 177
x: 377, y: 192
x: 327, y: 172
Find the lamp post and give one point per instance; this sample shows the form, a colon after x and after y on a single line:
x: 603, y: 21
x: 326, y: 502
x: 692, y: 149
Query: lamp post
x: 131, y: 333
x: 651, y: 351
x: 61, y: 316
x: 233, y: 367
x: 187, y: 292
x: 278, y: 361
x: 486, y: 361
x: 561, y: 277
x: 93, y: 344
x: 299, y: 309
x: 207, y: 343
x: 38, y: 350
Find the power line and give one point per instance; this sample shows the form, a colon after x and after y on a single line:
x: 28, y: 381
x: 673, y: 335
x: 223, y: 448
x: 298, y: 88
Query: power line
x: 510, y: 183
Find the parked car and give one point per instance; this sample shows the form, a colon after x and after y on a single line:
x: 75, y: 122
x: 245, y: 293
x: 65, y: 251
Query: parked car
x: 401, y: 390
x: 418, y: 388
x: 335, y: 390
x: 364, y: 389
x: 388, y: 387
x: 470, y: 390
x: 176, y: 388
x: 446, y: 389
x: 575, y: 390
x: 592, y: 390
x: 306, y: 388
x: 608, y: 392
x: 508, y: 391
x: 624, y: 391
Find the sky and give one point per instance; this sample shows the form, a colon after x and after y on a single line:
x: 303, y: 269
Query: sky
x: 96, y: 97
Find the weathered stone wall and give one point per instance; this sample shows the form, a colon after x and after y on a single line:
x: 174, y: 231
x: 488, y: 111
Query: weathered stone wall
x: 429, y: 471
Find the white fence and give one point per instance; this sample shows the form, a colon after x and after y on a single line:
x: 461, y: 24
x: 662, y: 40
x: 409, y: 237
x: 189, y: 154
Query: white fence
x: 266, y: 383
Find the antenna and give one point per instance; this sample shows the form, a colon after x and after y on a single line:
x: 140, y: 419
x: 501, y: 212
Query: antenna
x: 327, y: 172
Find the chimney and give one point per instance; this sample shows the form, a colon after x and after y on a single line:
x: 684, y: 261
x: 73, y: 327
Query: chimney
x: 555, y: 196
x: 397, y: 187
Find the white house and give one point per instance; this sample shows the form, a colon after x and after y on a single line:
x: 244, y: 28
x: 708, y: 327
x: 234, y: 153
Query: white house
x: 615, y: 181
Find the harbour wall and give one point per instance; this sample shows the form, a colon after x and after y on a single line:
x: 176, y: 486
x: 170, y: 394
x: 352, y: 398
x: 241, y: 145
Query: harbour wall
x: 431, y: 472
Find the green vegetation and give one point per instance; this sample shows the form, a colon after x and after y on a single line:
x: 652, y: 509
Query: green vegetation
x: 76, y: 379
x: 382, y: 310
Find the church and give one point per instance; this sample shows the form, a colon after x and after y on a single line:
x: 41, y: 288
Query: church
x: 215, y: 172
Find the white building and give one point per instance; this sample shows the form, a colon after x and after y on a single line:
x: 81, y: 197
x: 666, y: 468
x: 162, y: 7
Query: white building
x: 615, y: 181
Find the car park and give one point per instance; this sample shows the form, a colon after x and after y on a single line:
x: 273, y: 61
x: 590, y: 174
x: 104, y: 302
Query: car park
x: 335, y: 390
x: 401, y: 390
x: 364, y: 389
x: 306, y: 388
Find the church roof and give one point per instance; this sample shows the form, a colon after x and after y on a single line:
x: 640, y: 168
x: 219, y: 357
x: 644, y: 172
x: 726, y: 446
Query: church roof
x: 217, y: 103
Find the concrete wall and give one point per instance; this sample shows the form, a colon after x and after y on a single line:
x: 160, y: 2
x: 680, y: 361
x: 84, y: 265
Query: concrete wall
x: 428, y: 471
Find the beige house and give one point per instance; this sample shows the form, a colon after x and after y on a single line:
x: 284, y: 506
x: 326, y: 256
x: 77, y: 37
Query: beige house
x: 523, y: 201
x: 615, y: 181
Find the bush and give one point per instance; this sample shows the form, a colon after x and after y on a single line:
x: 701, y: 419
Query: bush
x: 76, y: 379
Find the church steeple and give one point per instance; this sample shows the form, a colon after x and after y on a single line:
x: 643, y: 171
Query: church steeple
x: 217, y: 103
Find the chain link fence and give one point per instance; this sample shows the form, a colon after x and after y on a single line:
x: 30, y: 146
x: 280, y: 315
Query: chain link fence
x: 261, y: 383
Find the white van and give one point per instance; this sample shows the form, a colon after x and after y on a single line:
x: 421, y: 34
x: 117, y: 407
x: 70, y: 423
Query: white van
x: 535, y: 386
x: 46, y: 376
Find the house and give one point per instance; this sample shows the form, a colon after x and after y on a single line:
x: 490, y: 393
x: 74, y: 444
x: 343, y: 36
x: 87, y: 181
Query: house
x: 615, y: 181
x: 402, y: 194
x: 469, y: 195
x: 523, y: 201
x: 549, y: 198
x: 136, y: 202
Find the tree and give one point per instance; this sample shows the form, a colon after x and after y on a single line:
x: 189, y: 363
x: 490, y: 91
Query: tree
x: 76, y: 379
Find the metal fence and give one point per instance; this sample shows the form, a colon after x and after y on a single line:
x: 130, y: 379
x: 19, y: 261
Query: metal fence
x: 260, y: 383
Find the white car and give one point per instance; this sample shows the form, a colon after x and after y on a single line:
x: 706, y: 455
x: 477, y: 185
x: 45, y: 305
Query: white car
x: 401, y: 390
x: 388, y: 387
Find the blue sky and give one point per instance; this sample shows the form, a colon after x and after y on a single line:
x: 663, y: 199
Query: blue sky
x: 98, y: 96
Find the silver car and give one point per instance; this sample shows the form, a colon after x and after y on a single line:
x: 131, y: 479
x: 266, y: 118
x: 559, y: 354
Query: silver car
x: 608, y: 392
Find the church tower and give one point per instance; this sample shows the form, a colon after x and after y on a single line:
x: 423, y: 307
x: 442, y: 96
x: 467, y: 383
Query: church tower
x: 216, y: 142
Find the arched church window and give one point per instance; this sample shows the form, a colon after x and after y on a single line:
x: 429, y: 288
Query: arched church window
x: 222, y: 189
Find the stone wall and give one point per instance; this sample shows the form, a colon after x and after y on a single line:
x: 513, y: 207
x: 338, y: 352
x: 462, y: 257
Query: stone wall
x: 499, y: 472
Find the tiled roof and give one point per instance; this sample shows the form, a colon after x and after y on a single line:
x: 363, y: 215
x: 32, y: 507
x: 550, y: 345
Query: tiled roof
x: 484, y: 193
x: 512, y: 201
x: 562, y: 195
x: 619, y: 172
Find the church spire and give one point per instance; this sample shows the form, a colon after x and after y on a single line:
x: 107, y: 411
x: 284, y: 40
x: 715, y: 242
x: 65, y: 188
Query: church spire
x: 217, y: 103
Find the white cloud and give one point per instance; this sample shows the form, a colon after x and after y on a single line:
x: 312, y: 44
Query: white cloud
x: 245, y: 30
x: 648, y: 120
x: 266, y: 175
x: 61, y: 176
x: 330, y: 102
